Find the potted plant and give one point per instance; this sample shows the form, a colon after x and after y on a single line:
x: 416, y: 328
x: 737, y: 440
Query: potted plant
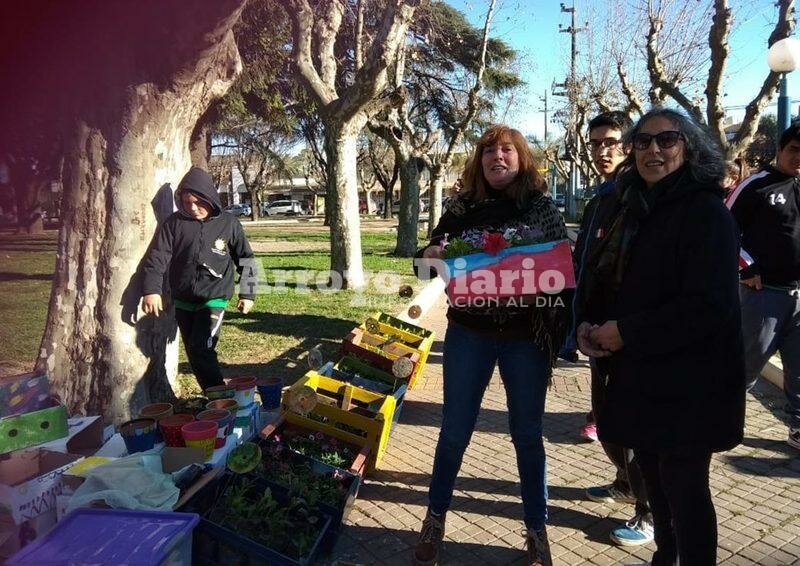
x: 321, y: 447
x: 329, y: 489
x: 243, y: 521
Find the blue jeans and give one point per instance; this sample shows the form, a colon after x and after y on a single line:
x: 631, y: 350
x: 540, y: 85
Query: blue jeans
x: 469, y: 361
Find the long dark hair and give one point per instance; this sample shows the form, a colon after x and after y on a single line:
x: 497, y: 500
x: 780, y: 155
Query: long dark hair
x: 703, y: 158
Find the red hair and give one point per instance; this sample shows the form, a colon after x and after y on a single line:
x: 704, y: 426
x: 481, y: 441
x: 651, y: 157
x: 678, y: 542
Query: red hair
x: 528, y: 178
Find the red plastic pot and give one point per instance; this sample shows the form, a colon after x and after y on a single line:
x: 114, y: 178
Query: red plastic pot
x: 224, y: 420
x: 171, y: 428
x: 201, y: 434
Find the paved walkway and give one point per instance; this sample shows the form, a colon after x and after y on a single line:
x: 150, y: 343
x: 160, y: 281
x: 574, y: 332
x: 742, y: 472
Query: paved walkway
x: 756, y: 487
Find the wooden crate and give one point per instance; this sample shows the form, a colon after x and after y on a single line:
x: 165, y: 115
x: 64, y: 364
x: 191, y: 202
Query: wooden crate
x: 383, y: 353
x: 361, y: 374
x: 347, y: 412
x: 411, y: 335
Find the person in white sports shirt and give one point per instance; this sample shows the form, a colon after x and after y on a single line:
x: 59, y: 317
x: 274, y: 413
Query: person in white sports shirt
x: 766, y: 207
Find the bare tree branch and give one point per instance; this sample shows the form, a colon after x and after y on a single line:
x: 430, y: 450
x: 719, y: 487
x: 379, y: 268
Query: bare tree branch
x: 783, y: 28
x: 634, y: 100
x: 718, y: 44
x: 655, y: 66
x: 326, y: 27
x: 302, y: 31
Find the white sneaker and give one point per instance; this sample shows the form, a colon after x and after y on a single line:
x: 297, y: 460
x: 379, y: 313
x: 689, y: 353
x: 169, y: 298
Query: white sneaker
x: 636, y: 532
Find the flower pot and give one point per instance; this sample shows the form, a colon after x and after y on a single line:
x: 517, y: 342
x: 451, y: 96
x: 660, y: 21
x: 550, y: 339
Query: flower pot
x: 192, y: 405
x: 139, y: 434
x: 224, y: 404
x: 156, y: 411
x: 270, y: 389
x: 201, y: 434
x: 220, y: 392
x: 224, y: 420
x: 245, y: 387
x: 170, y: 428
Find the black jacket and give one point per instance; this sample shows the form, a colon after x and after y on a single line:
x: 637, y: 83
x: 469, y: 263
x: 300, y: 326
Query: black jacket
x: 678, y: 383
x: 201, y: 256
x: 496, y: 213
x: 597, y: 218
x: 767, y: 209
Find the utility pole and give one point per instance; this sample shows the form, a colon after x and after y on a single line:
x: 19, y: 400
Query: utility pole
x: 544, y: 99
x: 571, y: 91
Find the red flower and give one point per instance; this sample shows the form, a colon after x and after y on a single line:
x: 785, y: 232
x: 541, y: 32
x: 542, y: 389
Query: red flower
x: 493, y: 243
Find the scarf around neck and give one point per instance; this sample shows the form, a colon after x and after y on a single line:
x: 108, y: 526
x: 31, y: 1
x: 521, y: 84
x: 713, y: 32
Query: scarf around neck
x: 637, y: 201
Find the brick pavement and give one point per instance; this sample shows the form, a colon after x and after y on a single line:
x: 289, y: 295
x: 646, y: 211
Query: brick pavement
x: 755, y: 486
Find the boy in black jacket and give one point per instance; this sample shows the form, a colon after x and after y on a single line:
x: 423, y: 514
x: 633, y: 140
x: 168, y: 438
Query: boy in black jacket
x: 199, y: 246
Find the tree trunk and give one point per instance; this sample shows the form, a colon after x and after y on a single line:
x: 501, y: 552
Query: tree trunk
x: 130, y: 141
x: 341, y: 203
x: 407, y: 227
x: 435, y: 196
x: 200, y: 140
x: 28, y: 185
x: 369, y: 201
x: 255, y: 204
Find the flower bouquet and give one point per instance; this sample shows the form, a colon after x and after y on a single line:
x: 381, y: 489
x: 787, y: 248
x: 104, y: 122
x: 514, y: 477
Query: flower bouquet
x: 483, y: 267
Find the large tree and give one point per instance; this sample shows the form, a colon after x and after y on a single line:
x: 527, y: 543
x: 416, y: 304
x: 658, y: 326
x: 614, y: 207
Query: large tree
x: 131, y: 82
x: 709, y: 109
x: 446, y: 75
x: 342, y: 61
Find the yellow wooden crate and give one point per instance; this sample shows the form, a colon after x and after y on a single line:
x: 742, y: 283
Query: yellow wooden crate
x: 389, y: 349
x: 411, y: 335
x: 350, y: 413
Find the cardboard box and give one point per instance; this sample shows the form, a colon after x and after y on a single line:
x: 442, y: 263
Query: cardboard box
x: 113, y: 448
x: 30, y: 480
x: 84, y: 437
x: 24, y: 393
x: 29, y: 429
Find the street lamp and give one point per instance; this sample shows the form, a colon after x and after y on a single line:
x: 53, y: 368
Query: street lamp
x: 784, y: 57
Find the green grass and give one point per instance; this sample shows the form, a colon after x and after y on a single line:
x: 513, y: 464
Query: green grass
x: 26, y: 273
x: 272, y: 340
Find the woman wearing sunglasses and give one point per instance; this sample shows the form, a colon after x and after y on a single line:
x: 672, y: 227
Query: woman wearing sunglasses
x: 662, y: 318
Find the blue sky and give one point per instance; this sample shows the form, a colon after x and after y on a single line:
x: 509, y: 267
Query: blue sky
x: 531, y: 27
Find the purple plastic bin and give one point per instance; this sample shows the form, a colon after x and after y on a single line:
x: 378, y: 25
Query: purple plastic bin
x: 114, y: 536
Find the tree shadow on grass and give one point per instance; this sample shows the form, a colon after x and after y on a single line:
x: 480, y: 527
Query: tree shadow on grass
x: 323, y: 332
x: 13, y: 276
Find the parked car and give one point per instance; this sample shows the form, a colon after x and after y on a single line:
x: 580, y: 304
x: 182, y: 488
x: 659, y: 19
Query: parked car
x: 242, y: 209
x: 282, y: 207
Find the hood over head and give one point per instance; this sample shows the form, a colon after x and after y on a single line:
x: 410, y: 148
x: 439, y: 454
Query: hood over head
x: 200, y: 183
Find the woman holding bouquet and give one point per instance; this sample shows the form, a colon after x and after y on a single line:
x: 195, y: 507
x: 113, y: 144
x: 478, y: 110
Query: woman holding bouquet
x: 502, y: 193
x: 662, y: 319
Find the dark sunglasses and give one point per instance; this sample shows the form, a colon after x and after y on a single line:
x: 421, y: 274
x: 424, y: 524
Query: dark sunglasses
x: 665, y: 140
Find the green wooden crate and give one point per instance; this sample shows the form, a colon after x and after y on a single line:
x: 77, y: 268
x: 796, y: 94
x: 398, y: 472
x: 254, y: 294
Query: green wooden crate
x: 30, y: 429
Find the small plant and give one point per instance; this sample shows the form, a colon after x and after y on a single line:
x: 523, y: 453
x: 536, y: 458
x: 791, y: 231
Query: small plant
x: 340, y: 426
x: 297, y: 475
x: 319, y: 446
x: 251, y: 511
